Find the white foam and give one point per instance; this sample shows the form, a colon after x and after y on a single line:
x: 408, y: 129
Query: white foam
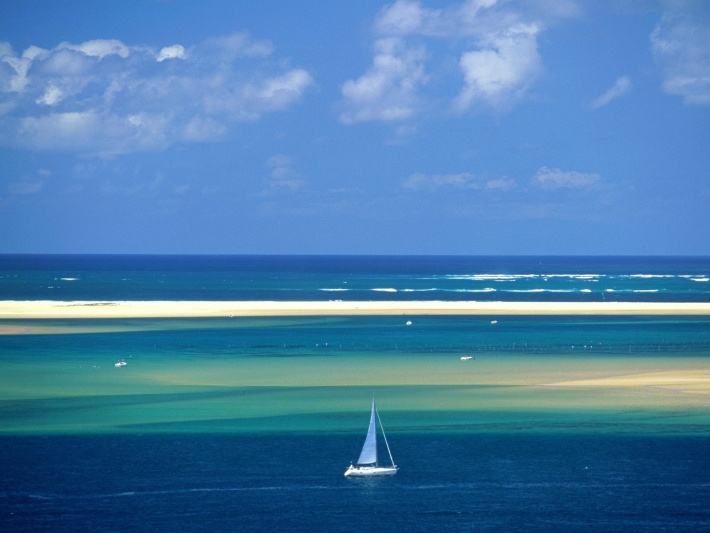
x: 700, y: 279
x: 539, y: 290
x: 574, y: 276
x: 514, y: 277
x: 491, y: 277
x: 487, y: 289
x: 388, y: 289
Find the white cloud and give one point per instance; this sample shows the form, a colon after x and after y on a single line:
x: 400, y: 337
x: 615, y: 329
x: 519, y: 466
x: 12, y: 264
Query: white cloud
x: 53, y: 131
x: 105, y: 97
x: 461, y: 181
x: 281, y: 91
x: 502, y: 69
x: 401, y: 18
x: 13, y: 70
x: 388, y: 91
x: 621, y: 87
x: 681, y: 48
x: 176, y: 51
x: 91, y: 131
x: 63, y: 62
x: 493, y: 41
x: 504, y: 184
x: 100, y: 48
x: 554, y: 178
x: 52, y: 95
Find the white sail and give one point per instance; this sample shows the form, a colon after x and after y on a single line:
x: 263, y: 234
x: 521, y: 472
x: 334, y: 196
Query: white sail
x: 368, y: 455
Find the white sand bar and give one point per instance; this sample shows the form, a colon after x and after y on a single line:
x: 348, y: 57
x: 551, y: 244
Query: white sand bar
x: 35, y: 309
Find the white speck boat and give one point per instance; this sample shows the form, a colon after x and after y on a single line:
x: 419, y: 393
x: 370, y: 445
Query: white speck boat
x: 120, y: 364
x: 367, y: 464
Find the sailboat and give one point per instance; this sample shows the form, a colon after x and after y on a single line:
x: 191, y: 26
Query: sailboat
x: 367, y: 464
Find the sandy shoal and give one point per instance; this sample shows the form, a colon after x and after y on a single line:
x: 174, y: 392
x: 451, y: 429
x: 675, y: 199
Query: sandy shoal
x: 687, y: 381
x: 47, y: 309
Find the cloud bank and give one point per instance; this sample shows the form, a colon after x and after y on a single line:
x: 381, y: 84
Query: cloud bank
x: 493, y: 43
x: 103, y: 96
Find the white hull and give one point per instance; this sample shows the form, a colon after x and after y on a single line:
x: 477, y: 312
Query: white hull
x: 369, y: 471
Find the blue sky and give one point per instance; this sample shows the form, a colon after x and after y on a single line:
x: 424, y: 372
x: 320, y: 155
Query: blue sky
x: 355, y: 127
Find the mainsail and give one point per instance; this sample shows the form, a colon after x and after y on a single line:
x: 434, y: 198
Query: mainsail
x: 368, y: 455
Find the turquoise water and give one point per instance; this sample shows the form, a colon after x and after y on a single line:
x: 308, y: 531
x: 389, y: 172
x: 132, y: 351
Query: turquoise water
x: 316, y: 374
x: 248, y: 423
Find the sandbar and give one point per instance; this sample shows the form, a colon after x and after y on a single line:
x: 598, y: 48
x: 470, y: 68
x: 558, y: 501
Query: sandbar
x: 688, y: 381
x: 53, y: 309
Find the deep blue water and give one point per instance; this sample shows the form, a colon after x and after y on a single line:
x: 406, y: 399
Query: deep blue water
x: 295, y: 483
x: 105, y: 277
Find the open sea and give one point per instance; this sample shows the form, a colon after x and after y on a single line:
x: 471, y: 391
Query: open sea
x: 247, y: 424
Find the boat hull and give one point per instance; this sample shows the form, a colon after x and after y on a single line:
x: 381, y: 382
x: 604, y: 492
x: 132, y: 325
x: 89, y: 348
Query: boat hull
x: 370, y: 471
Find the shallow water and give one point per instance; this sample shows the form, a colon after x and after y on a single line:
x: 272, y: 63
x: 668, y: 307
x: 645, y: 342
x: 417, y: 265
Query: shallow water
x: 316, y: 374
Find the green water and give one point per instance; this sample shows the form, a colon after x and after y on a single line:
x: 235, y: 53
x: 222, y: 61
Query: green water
x: 318, y: 374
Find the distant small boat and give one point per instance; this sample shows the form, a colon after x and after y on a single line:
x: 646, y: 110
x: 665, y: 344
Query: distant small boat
x: 409, y: 322
x: 367, y: 464
x: 465, y: 357
x: 120, y: 364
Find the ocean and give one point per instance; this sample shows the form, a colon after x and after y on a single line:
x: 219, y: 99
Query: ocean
x: 644, y: 279
x: 247, y: 424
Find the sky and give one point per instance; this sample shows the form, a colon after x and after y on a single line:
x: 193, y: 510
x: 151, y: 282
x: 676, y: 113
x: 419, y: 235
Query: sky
x: 564, y: 127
